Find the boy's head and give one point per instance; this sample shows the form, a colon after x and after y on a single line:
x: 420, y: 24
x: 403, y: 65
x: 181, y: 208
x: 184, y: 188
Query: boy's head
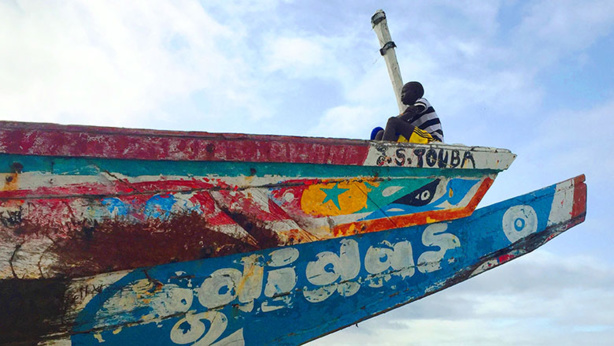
x: 411, y: 92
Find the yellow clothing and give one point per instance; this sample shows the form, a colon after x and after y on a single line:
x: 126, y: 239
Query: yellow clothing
x: 417, y: 136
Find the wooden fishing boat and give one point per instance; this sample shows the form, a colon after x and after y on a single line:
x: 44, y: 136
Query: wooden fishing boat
x: 79, y: 201
x: 285, y: 295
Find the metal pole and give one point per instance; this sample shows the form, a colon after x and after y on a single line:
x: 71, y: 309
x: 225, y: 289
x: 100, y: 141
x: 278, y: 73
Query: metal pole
x: 380, y: 25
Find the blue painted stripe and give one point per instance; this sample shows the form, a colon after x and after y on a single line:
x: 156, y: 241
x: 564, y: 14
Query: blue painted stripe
x: 338, y: 281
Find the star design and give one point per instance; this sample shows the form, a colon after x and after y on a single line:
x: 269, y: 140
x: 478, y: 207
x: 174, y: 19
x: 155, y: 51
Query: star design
x: 332, y: 194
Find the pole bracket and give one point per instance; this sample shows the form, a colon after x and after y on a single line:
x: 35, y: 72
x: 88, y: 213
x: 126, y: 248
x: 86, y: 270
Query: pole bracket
x: 388, y: 45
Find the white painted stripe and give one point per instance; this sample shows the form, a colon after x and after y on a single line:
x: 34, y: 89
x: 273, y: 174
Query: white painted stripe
x: 403, y: 155
x: 562, y: 203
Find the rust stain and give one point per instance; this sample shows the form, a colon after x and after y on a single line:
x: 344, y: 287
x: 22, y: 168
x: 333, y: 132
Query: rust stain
x: 11, y: 180
x: 32, y: 309
x: 266, y: 238
x: 114, y: 245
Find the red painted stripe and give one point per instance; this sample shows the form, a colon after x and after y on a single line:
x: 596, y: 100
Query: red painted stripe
x: 106, y: 142
x: 579, y: 196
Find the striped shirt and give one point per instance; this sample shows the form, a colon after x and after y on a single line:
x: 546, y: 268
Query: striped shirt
x: 427, y: 120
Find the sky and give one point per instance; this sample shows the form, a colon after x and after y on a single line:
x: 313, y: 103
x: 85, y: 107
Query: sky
x: 533, y: 77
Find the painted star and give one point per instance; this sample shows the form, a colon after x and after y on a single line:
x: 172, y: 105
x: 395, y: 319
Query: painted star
x: 332, y: 194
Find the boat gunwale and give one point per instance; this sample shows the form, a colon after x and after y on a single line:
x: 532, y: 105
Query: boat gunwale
x: 47, y: 139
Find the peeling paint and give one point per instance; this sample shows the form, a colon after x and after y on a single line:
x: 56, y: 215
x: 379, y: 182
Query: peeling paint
x: 107, y: 232
x: 285, y: 291
x: 188, y: 218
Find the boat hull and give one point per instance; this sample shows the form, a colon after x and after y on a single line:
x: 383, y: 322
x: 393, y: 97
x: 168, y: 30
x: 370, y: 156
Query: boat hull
x: 79, y: 201
x: 297, y: 293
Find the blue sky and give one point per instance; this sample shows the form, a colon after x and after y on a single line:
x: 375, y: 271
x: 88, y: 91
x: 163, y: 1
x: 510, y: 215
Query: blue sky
x: 533, y: 77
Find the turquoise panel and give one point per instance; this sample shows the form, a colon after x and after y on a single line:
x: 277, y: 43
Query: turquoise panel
x: 133, y: 168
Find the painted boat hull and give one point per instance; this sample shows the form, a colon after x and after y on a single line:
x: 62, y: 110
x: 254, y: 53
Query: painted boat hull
x: 79, y: 201
x: 293, y: 294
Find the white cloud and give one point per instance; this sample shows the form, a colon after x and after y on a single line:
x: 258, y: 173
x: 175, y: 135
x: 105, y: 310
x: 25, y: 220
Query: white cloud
x: 566, y: 24
x: 346, y: 122
x: 574, y: 141
x: 294, y: 55
x: 111, y: 63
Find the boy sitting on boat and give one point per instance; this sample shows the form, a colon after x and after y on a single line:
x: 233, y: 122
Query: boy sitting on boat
x: 417, y: 124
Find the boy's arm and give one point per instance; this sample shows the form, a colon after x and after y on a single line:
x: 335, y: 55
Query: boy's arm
x: 411, y: 111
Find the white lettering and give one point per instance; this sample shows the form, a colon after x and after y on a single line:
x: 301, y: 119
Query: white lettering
x: 190, y: 328
x: 220, y: 288
x: 280, y: 281
x: 329, y: 267
x: 398, y: 257
x: 433, y: 235
x: 331, y: 272
x: 225, y: 285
